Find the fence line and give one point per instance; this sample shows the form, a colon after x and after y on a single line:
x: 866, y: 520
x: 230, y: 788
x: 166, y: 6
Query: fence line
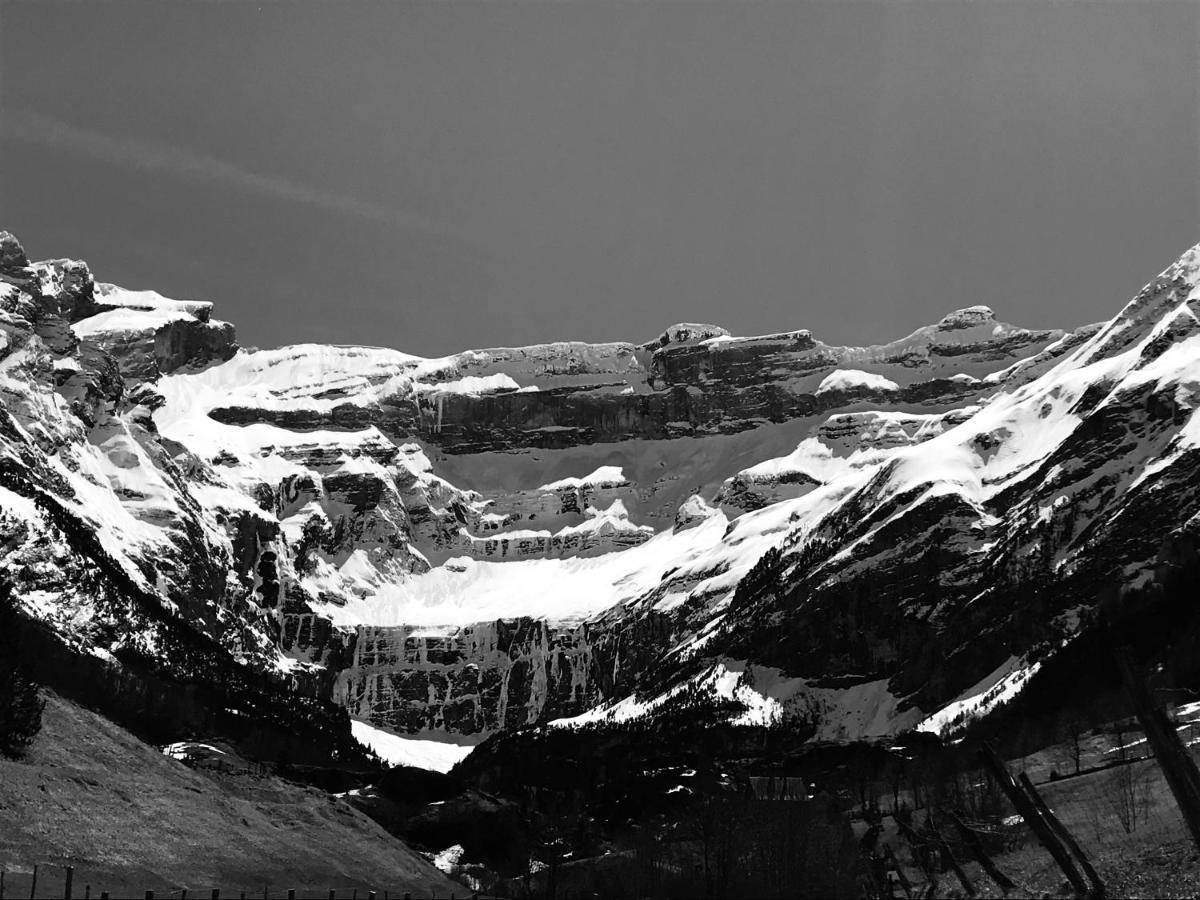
x: 38, y: 887
x: 1117, y: 827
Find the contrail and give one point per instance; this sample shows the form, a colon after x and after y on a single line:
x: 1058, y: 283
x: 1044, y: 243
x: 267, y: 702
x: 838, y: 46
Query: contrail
x: 22, y: 125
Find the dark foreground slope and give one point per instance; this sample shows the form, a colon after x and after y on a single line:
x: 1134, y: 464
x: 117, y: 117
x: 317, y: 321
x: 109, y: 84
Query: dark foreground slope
x: 130, y: 819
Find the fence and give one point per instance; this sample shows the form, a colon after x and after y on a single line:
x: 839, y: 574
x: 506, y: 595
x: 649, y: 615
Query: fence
x: 50, y: 882
x: 1115, y: 826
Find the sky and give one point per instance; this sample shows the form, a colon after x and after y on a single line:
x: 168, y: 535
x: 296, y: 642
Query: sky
x: 436, y: 176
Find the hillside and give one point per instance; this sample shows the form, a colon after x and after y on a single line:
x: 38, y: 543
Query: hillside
x: 131, y: 819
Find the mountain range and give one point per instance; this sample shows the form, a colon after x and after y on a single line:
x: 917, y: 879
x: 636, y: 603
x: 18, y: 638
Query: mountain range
x: 861, y: 541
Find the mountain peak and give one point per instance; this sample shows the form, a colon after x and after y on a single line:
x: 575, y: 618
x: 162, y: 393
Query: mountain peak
x: 685, y: 332
x: 968, y: 317
x: 12, y: 254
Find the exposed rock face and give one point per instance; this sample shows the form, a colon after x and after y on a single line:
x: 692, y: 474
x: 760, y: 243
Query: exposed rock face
x: 97, y: 514
x: 685, y: 333
x: 514, y: 535
x: 150, y: 335
x: 479, y: 679
x: 193, y: 344
x: 12, y: 254
x: 694, y: 510
x: 698, y: 381
x: 711, y: 387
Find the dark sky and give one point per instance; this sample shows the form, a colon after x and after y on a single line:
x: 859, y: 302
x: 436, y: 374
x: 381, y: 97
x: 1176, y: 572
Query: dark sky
x: 437, y: 176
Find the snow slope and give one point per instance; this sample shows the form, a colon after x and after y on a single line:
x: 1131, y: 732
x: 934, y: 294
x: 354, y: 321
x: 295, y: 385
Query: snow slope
x: 419, y: 753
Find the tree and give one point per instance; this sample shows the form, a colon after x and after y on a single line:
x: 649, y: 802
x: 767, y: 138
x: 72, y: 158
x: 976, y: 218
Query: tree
x: 1075, y: 729
x: 20, y: 705
x: 1129, y: 793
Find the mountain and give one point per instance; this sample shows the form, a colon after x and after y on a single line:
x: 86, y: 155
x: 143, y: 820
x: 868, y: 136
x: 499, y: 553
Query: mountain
x: 860, y: 539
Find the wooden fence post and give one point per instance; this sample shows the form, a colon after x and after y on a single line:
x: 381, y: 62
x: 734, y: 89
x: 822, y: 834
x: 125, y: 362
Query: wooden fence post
x: 895, y: 863
x: 1030, y: 813
x: 1170, y: 754
x: 981, y: 855
x: 67, y: 888
x: 918, y: 846
x: 932, y: 887
x: 1061, y: 830
x: 949, y: 855
x: 33, y: 886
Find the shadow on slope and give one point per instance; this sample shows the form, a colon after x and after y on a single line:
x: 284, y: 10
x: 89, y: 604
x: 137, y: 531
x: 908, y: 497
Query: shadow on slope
x: 130, y: 819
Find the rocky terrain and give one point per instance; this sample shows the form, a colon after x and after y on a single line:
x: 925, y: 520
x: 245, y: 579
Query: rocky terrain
x: 864, y: 539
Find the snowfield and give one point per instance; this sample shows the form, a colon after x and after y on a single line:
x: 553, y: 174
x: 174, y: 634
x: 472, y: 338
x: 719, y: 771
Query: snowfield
x: 464, y: 591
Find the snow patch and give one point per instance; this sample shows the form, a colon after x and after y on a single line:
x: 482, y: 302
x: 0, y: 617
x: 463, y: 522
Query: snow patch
x: 128, y: 321
x: 999, y: 687
x: 850, y: 379
x: 186, y: 749
x: 605, y: 476
x: 470, y: 385
x: 419, y: 753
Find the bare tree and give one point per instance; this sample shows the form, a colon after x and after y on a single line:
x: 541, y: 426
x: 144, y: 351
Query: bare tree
x: 1130, y: 794
x: 1075, y: 730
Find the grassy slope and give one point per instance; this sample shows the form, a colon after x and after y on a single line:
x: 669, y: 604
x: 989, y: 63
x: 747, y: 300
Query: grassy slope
x: 131, y: 819
x: 1148, y: 855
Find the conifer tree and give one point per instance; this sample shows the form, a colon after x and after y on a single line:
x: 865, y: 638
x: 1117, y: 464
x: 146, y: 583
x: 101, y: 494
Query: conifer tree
x: 20, y: 705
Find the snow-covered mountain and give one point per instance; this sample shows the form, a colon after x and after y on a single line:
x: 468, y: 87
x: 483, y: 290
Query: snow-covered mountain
x: 867, y: 538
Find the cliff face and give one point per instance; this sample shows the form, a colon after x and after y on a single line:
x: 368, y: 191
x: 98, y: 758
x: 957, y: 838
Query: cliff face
x: 96, y: 507
x: 516, y: 535
x: 478, y: 679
